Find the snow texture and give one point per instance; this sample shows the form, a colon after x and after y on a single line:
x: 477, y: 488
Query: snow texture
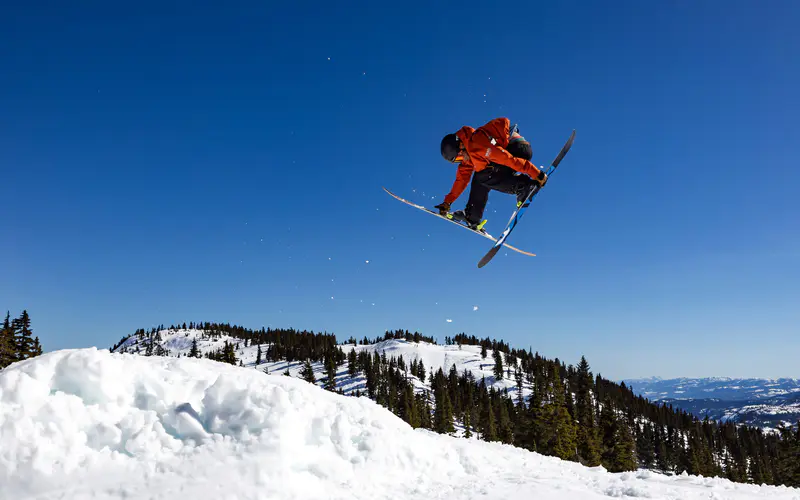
x: 86, y: 423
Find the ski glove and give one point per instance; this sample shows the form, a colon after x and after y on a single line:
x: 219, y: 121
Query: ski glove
x: 443, y: 208
x: 541, y: 179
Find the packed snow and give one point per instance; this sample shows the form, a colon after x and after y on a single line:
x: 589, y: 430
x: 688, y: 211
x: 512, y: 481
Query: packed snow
x: 86, y: 423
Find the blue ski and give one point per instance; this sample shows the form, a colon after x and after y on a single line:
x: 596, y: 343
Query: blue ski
x: 517, y: 215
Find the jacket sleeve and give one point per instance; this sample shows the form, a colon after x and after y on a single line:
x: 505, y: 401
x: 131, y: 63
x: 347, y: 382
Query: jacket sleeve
x: 498, y: 155
x: 463, y: 176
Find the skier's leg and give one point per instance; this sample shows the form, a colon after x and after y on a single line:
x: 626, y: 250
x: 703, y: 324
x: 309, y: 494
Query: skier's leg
x: 506, y: 180
x: 478, y: 196
x: 500, y: 178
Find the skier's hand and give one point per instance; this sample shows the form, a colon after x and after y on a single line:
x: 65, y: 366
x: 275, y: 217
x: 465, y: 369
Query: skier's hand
x: 541, y: 179
x: 444, y: 207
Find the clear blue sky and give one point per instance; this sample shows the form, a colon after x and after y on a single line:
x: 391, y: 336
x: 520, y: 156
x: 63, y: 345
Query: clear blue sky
x: 164, y: 162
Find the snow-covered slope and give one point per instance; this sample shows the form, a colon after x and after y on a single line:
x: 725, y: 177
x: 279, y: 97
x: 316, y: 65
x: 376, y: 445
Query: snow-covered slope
x: 178, y: 343
x: 466, y: 357
x: 758, y: 402
x: 81, y: 424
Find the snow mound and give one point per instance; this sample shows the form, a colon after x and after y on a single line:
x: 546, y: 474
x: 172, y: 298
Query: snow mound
x: 87, y: 423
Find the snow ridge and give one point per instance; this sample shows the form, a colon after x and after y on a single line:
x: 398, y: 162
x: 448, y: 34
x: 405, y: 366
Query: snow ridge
x: 87, y: 423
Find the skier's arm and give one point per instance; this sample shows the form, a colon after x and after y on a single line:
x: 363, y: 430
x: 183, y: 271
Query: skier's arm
x: 498, y: 155
x: 463, y: 175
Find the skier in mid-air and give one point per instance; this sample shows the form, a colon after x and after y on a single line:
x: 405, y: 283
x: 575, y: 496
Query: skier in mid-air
x: 499, y: 157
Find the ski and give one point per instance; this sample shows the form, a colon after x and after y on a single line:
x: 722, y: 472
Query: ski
x: 517, y: 215
x: 436, y: 213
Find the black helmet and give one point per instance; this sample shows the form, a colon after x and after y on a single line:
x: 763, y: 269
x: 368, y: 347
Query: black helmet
x: 451, y: 146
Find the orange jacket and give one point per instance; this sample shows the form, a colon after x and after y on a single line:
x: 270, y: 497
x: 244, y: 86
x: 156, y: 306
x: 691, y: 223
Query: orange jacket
x: 485, y: 147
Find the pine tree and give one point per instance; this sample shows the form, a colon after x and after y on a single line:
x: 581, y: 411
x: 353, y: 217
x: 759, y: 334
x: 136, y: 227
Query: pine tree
x: 8, y: 346
x: 489, y: 426
x: 518, y: 377
x: 194, y: 352
x: 498, y: 365
x: 37, y: 347
x: 229, y: 354
x: 443, y: 408
x: 258, y: 355
x: 352, y: 363
x: 558, y: 429
x: 531, y: 435
x: 330, y: 374
x: 307, y: 373
x: 660, y: 449
x: 608, y: 433
x: 424, y: 406
x: 505, y: 430
x: 453, y: 390
x: 645, y: 447
x: 788, y: 467
x: 24, y: 337
x: 624, y: 449
x: 150, y: 346
x: 410, y: 411
x: 483, y: 351
x: 588, y: 437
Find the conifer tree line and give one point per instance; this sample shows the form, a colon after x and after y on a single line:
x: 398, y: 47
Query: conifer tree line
x: 394, y: 335
x: 569, y: 412
x: 17, y: 341
x: 280, y: 344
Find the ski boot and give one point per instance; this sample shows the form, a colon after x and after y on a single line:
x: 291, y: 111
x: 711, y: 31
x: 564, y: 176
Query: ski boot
x: 523, y: 195
x: 461, y: 216
x: 526, y: 191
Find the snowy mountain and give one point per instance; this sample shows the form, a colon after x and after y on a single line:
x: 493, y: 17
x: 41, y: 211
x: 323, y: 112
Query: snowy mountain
x: 178, y: 343
x: 759, y: 402
x: 86, y: 423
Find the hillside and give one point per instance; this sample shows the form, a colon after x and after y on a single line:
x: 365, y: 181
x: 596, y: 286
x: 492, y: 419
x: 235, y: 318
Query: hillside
x: 764, y: 403
x: 84, y: 423
x: 178, y: 343
x: 482, y: 387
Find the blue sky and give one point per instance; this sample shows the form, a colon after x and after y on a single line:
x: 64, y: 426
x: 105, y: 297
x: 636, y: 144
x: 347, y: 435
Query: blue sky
x: 164, y: 163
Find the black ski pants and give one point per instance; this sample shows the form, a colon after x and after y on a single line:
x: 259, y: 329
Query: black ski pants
x: 497, y: 177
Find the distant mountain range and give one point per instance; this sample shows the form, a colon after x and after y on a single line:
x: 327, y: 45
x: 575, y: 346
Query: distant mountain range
x: 759, y: 402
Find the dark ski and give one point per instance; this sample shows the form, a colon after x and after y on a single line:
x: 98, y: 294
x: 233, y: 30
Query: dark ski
x: 517, y: 215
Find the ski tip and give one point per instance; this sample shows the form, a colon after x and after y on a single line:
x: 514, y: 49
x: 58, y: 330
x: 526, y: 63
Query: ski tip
x: 489, y: 255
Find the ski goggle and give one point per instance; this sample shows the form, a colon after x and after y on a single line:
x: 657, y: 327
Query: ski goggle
x: 459, y: 158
